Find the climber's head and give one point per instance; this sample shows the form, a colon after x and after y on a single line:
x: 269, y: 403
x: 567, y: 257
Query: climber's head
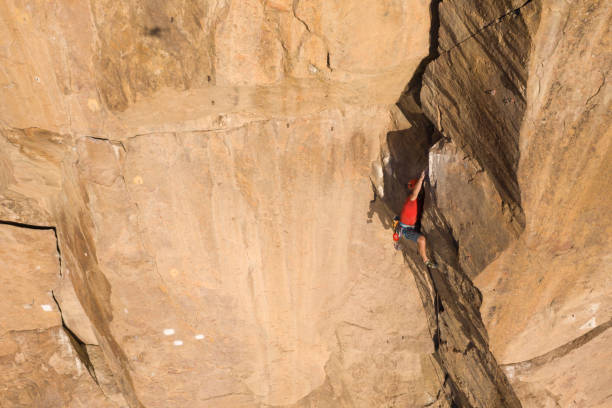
x: 411, y: 184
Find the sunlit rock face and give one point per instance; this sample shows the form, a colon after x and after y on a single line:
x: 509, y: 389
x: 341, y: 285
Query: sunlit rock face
x: 205, y: 187
x: 231, y: 278
x: 551, y: 291
x: 117, y: 68
x: 507, y: 94
x: 206, y: 167
x: 38, y: 365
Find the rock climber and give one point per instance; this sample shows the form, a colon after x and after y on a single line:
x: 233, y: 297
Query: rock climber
x: 408, y: 219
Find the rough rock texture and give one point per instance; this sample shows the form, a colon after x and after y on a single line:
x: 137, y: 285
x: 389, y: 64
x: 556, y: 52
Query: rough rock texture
x: 461, y: 19
x: 538, y: 382
x: 507, y: 95
x: 205, y: 166
x: 472, y: 377
x: 302, y: 303
x: 39, y: 366
x: 558, y: 273
x: 30, y: 179
x: 473, y: 208
x: 475, y: 94
x: 30, y: 268
x: 73, y: 315
x: 71, y: 68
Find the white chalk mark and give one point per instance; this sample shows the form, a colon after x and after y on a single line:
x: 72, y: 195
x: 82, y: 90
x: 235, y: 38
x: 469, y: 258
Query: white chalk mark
x: 168, y: 332
x: 199, y: 336
x: 46, y: 308
x: 509, y: 372
x: 589, y: 325
x: 178, y: 342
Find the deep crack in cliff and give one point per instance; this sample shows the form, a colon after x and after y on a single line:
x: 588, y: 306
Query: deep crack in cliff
x: 449, y: 297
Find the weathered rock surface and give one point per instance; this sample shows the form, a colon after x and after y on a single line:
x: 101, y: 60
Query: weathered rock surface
x: 461, y: 19
x: 475, y: 94
x: 566, y: 377
x: 181, y: 65
x: 30, y: 179
x: 73, y: 315
x: 554, y: 284
x: 302, y: 303
x: 39, y: 366
x: 472, y: 207
x: 30, y: 270
x: 508, y: 96
x: 190, y: 222
x: 206, y: 165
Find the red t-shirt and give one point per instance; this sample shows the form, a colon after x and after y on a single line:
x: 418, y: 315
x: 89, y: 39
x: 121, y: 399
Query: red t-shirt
x: 409, y: 212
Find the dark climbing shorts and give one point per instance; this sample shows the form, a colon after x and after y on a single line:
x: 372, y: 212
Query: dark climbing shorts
x: 410, y: 233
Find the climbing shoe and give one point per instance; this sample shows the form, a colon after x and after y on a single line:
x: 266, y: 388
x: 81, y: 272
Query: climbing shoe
x: 431, y: 264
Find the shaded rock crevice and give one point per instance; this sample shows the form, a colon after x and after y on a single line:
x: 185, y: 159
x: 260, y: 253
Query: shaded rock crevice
x: 451, y: 300
x: 77, y: 344
x: 482, y: 108
x: 80, y: 348
x: 515, y: 11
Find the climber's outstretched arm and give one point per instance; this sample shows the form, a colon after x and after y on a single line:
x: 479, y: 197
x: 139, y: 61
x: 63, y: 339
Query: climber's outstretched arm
x: 417, y: 187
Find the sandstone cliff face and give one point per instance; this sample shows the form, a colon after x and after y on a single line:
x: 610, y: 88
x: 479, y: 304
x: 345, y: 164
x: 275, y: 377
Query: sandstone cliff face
x: 39, y: 366
x: 117, y: 69
x: 509, y: 96
x: 206, y: 169
x: 192, y: 196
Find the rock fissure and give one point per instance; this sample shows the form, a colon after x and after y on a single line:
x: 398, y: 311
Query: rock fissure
x: 39, y: 227
x: 77, y: 344
x: 560, y: 351
x: 497, y: 20
x: 220, y: 214
x: 294, y: 7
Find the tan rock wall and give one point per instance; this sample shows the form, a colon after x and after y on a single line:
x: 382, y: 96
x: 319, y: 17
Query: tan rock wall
x: 180, y: 65
x: 461, y: 19
x: 540, y: 78
x: 30, y: 179
x: 475, y: 94
x: 39, y: 366
x: 557, y: 275
x: 473, y: 208
x: 243, y: 239
x: 30, y: 270
x: 251, y: 249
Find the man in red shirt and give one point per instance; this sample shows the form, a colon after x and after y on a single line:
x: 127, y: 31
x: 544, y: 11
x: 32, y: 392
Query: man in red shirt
x: 408, y: 219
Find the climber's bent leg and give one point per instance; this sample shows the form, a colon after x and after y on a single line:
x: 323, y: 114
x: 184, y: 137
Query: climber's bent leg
x: 422, y: 245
